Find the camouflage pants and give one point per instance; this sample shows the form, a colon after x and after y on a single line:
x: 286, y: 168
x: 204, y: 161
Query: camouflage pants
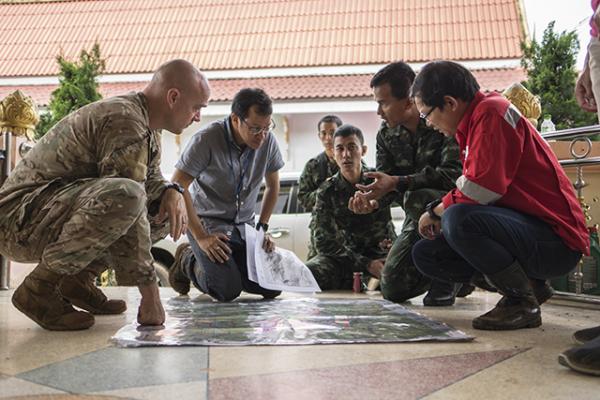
x: 400, y: 279
x: 90, y: 223
x: 335, y: 273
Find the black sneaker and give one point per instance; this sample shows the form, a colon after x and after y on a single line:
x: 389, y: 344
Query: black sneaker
x: 584, y: 359
x: 585, y: 335
x: 441, y: 293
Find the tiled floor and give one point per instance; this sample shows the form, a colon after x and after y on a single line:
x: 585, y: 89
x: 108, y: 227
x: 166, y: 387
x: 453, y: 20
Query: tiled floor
x: 37, y: 364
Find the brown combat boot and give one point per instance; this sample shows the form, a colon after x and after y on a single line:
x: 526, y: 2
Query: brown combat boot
x: 38, y: 298
x: 177, y: 277
x: 518, y: 308
x: 81, y: 290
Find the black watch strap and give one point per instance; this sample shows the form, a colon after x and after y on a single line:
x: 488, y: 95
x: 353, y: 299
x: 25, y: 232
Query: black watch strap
x: 263, y: 226
x: 429, y: 209
x: 403, y: 183
x: 175, y: 186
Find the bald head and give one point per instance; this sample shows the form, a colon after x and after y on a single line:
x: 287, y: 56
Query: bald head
x: 179, y: 74
x: 176, y: 93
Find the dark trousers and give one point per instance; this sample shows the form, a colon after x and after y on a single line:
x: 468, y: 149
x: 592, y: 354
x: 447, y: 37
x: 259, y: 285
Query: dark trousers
x: 223, y: 282
x: 488, y: 239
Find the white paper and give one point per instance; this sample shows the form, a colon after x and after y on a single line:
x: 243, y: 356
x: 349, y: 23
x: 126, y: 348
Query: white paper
x: 250, y: 259
x: 279, y: 270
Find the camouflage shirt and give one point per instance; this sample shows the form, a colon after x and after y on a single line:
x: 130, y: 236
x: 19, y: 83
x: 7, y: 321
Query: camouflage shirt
x: 108, y: 138
x: 315, y: 172
x: 341, y: 233
x: 427, y: 157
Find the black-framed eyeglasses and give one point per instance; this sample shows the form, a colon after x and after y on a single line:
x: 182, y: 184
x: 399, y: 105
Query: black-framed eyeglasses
x: 426, y: 115
x: 257, y: 131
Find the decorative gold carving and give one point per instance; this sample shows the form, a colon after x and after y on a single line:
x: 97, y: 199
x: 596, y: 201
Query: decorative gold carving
x: 527, y: 103
x: 18, y: 115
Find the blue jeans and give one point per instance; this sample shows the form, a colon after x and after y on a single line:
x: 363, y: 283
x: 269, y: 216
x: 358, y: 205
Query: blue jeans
x: 488, y: 239
x: 223, y: 281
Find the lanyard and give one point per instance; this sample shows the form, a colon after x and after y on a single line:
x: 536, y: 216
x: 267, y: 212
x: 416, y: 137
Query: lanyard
x: 243, y: 169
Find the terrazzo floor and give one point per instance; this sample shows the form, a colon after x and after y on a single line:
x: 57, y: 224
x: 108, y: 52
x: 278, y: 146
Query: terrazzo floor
x: 38, y: 364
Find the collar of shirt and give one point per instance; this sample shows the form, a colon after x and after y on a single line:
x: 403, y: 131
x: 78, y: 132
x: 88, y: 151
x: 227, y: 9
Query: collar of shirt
x: 465, y: 122
x: 229, y: 134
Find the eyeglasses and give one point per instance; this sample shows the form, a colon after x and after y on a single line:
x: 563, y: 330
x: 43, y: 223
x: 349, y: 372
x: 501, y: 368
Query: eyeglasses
x: 256, y: 130
x: 426, y: 115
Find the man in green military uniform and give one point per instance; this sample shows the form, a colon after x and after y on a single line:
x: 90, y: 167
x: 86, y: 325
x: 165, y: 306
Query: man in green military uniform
x: 90, y: 194
x: 346, y: 242
x: 318, y: 169
x: 416, y: 165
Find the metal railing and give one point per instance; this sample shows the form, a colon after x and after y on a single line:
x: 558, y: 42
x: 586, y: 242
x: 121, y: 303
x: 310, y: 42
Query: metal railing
x: 579, y: 161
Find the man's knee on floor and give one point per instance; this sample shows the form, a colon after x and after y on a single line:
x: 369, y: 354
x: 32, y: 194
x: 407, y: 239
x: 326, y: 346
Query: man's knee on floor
x: 226, y: 294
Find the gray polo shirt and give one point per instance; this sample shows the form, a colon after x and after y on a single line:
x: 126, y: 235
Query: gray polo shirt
x: 227, y: 178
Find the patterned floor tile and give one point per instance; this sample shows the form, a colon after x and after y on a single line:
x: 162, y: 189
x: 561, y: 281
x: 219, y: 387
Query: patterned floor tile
x: 112, y: 369
x: 11, y: 387
x: 406, y: 379
x: 179, y: 391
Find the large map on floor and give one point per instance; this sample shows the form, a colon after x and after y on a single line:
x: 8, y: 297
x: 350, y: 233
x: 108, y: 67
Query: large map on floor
x: 295, y: 321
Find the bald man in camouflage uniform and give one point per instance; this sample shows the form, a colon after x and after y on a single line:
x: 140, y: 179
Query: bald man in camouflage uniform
x: 346, y: 242
x: 90, y: 194
x: 423, y: 165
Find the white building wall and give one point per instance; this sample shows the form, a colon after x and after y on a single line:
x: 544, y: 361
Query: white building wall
x: 298, y: 145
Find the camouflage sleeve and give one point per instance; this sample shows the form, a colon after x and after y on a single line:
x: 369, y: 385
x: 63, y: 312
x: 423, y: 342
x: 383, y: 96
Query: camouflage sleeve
x: 155, y: 181
x: 443, y: 176
x: 328, y: 238
x: 124, y: 150
x: 384, y: 159
x: 308, y: 185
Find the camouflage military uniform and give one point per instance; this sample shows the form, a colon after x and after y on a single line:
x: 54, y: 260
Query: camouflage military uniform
x: 315, y: 172
x: 345, y: 242
x: 431, y: 161
x: 80, y: 197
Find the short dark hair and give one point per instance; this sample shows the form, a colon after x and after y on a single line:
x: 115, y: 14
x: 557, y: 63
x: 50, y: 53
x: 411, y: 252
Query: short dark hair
x: 349, y: 130
x: 399, y: 75
x: 246, y: 98
x: 444, y: 78
x: 329, y: 118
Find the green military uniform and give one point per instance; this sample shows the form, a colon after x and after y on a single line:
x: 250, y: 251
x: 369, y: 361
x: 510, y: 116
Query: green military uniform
x: 431, y: 162
x: 345, y: 242
x: 315, y: 172
x: 80, y: 198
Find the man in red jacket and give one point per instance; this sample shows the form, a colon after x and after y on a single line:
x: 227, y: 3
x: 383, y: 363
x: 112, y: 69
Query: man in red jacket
x: 513, y: 216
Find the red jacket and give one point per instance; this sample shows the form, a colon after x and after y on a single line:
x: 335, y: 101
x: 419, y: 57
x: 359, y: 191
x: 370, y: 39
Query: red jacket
x: 506, y: 163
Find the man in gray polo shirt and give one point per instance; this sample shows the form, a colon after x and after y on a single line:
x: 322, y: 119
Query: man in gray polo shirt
x: 226, y: 162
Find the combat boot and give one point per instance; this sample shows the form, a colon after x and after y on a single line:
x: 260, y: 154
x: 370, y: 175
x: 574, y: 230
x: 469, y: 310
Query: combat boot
x: 38, y: 298
x: 517, y: 309
x: 177, y: 277
x: 541, y: 290
x: 81, y: 290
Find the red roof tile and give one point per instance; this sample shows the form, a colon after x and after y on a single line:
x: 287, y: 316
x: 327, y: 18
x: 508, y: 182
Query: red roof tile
x: 283, y: 88
x: 139, y: 35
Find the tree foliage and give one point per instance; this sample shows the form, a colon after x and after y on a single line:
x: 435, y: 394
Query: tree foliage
x: 77, y: 87
x: 550, y: 67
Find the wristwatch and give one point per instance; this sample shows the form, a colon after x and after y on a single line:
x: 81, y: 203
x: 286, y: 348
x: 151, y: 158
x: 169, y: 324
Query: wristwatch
x: 175, y: 186
x: 263, y: 226
x: 429, y: 209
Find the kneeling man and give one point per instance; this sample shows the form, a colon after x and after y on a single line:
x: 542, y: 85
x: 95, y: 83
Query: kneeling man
x: 347, y: 242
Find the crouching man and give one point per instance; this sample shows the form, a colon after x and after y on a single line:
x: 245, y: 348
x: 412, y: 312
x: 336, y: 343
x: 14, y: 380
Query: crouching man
x: 82, y: 198
x: 346, y: 242
x: 513, y: 216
